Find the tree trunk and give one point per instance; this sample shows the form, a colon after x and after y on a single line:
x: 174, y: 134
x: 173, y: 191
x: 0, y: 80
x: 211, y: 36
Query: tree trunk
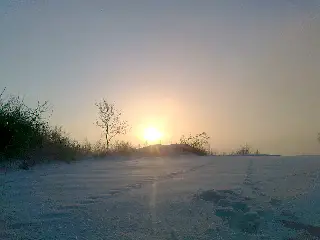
x: 107, y: 140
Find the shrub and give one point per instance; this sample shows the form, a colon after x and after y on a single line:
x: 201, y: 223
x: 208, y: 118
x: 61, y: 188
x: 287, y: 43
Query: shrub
x: 123, y: 148
x: 26, y: 134
x: 86, y: 148
x: 99, y: 149
x: 199, y: 142
x: 58, y: 145
x: 246, y: 150
x: 21, y: 128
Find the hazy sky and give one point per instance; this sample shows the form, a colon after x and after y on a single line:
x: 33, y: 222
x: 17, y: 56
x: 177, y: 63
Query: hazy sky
x: 243, y: 71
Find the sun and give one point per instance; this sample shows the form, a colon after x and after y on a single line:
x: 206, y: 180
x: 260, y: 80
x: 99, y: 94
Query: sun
x: 152, y: 134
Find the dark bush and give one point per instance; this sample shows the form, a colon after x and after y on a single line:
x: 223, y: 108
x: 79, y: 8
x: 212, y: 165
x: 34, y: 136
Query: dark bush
x: 244, y: 150
x: 199, y: 142
x: 21, y: 128
x: 26, y: 134
x: 122, y: 148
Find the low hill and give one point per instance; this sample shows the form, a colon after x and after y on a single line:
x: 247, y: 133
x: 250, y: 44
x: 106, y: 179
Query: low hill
x: 168, y: 150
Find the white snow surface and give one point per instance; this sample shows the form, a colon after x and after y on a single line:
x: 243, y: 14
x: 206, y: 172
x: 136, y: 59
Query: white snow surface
x: 184, y: 197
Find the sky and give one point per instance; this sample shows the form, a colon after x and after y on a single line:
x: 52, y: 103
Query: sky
x: 243, y: 71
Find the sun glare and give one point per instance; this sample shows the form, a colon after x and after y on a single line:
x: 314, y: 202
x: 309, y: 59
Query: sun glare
x: 152, y: 134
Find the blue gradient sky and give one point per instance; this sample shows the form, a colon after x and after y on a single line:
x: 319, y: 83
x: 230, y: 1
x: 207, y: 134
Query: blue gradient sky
x: 243, y: 71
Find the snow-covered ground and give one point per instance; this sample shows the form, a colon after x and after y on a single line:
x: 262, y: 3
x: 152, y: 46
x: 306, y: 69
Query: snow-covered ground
x: 164, y: 198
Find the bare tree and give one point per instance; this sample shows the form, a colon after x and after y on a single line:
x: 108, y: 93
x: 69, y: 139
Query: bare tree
x: 110, y: 120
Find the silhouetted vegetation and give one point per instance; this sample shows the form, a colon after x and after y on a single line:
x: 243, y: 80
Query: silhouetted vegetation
x: 26, y: 134
x: 100, y: 149
x: 122, y: 148
x: 245, y: 150
x: 21, y: 128
x: 110, y: 120
x: 97, y: 149
x: 199, y: 142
